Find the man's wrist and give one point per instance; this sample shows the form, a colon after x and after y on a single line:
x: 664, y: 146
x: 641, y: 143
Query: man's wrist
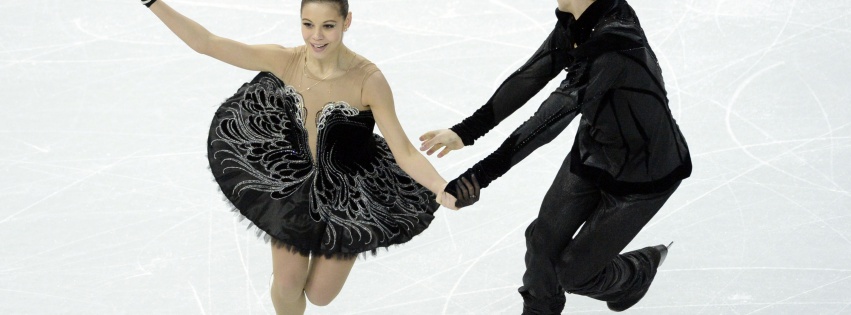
x: 459, y: 131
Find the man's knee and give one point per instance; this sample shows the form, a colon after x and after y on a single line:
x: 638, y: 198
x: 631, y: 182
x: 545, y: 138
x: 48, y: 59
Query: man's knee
x: 573, y: 274
x: 531, y: 229
x: 537, y: 235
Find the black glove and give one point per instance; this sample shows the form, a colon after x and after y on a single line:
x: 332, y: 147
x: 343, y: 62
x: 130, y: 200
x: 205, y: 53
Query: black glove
x: 148, y: 3
x: 466, y: 192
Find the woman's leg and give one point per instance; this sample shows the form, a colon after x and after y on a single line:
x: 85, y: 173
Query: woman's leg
x: 290, y: 272
x: 326, y: 279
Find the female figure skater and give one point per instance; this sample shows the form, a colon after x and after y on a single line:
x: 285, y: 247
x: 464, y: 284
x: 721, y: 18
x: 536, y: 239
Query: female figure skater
x: 627, y: 158
x: 294, y: 152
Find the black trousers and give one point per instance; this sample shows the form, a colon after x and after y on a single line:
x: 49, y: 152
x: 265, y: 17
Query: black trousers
x: 590, y: 262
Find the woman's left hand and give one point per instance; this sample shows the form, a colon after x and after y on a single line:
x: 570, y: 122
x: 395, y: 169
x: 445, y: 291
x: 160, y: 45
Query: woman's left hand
x: 446, y: 199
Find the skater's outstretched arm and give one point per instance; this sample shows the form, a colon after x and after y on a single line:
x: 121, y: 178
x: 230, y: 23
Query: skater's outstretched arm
x: 516, y: 90
x: 379, y: 97
x: 558, y: 110
x: 249, y: 57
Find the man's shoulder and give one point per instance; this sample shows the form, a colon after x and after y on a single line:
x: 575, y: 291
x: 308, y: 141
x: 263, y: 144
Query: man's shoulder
x: 612, y: 34
x: 619, y: 26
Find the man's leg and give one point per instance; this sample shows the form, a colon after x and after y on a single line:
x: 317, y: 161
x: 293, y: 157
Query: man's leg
x: 567, y: 204
x: 591, y: 266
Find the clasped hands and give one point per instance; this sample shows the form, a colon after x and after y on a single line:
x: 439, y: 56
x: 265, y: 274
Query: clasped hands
x: 467, y: 191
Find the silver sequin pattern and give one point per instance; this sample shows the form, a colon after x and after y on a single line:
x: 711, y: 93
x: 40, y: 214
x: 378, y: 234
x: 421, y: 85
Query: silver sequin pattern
x: 266, y: 140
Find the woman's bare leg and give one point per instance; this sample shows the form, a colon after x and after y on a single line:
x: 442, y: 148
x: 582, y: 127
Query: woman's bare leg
x: 290, y: 271
x: 326, y: 279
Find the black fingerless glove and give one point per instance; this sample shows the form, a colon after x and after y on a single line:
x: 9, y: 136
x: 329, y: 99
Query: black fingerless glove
x: 148, y: 3
x: 466, y: 192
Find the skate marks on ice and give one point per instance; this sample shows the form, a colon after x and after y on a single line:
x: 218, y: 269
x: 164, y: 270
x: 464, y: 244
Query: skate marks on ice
x: 109, y: 207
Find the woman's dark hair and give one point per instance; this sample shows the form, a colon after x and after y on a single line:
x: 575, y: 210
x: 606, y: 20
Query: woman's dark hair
x: 342, y: 4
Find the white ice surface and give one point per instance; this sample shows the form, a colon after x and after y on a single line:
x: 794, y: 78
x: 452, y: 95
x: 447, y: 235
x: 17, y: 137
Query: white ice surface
x: 107, y: 207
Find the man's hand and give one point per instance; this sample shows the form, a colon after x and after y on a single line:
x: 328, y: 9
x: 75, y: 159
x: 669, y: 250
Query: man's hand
x: 468, y: 192
x: 460, y: 193
x: 446, y: 139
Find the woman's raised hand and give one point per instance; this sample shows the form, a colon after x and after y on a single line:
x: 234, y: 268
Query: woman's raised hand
x: 446, y: 139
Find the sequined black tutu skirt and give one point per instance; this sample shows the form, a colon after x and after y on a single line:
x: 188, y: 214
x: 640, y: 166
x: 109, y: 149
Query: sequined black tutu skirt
x: 353, y: 198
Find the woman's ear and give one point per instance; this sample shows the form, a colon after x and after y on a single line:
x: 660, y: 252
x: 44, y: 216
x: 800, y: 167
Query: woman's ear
x: 348, y: 21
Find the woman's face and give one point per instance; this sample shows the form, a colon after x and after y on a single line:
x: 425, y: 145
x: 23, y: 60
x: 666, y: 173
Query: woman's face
x: 322, y: 27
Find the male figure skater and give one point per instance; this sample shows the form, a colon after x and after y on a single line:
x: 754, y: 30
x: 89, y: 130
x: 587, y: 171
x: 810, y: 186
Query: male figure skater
x: 628, y: 156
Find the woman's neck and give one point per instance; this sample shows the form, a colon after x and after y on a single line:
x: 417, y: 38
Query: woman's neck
x: 328, y: 65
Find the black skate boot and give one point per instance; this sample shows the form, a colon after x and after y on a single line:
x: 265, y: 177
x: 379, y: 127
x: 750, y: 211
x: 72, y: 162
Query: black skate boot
x: 629, y: 299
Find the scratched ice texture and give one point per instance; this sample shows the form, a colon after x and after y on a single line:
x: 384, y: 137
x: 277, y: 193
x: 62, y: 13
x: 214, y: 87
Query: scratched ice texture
x: 107, y: 206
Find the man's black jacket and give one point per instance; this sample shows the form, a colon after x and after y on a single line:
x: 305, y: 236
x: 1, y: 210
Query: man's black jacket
x: 627, y: 141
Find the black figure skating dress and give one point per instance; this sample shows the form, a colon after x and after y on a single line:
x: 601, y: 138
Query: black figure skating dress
x: 352, y: 199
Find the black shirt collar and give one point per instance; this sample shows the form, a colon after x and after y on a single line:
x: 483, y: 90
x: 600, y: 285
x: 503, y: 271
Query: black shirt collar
x: 580, y: 29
